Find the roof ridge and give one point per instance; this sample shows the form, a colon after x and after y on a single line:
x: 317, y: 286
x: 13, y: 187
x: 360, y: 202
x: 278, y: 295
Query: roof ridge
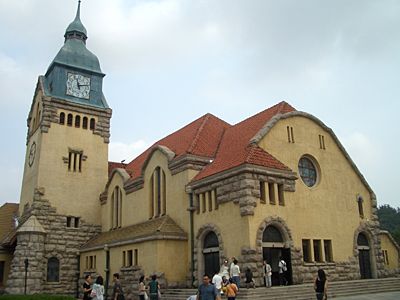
x: 197, y: 136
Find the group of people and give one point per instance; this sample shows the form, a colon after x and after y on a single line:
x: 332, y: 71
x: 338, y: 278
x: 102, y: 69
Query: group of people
x: 96, y: 291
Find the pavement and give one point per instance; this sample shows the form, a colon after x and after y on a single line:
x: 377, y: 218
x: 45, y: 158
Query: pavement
x: 380, y: 296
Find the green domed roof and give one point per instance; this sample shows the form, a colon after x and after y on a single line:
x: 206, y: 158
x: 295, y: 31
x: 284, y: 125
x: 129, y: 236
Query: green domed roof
x: 75, y: 54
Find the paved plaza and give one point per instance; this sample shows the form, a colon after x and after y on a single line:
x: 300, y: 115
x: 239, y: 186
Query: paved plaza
x: 380, y: 296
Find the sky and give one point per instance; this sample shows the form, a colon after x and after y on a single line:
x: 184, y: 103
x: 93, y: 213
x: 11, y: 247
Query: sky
x: 169, y: 62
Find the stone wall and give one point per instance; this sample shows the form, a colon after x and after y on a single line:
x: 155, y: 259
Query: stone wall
x: 59, y: 241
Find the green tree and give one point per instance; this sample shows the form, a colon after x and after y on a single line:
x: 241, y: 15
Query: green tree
x: 389, y: 219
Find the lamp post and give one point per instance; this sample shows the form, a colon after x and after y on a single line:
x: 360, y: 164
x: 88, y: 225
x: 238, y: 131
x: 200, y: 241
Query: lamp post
x: 78, y: 273
x: 26, y: 262
x: 107, y: 270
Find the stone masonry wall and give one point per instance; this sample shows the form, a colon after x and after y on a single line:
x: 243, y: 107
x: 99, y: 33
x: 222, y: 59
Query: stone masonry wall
x: 59, y: 241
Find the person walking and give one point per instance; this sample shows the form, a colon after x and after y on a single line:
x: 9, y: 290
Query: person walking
x: 224, y: 270
x: 235, y: 273
x: 321, y: 285
x: 118, y: 293
x: 154, y: 288
x: 282, y: 272
x: 231, y: 290
x: 98, y: 289
x: 142, y: 288
x: 207, y: 291
x: 217, y: 282
x: 87, y: 289
x: 267, y: 273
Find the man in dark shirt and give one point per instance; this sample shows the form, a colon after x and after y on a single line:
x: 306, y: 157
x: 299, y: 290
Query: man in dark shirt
x: 118, y: 293
x: 207, y: 291
x: 87, y: 288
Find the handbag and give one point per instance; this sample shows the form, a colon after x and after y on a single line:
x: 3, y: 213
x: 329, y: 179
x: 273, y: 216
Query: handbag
x: 93, y: 293
x: 146, y: 297
x: 159, y: 294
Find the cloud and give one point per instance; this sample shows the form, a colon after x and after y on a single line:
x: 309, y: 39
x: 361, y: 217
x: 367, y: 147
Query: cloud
x: 119, y: 151
x: 363, y: 151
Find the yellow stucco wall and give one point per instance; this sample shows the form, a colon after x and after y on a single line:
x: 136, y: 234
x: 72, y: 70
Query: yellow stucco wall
x: 7, y: 258
x: 392, y: 252
x: 329, y: 210
x: 100, y: 262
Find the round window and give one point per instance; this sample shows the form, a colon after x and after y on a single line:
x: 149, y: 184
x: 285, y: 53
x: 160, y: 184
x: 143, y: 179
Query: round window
x: 308, y: 171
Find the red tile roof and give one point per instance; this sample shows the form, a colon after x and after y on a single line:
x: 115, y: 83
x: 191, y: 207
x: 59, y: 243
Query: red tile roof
x: 201, y: 138
x: 7, y: 213
x: 235, y: 148
x: 114, y: 165
x: 212, y: 137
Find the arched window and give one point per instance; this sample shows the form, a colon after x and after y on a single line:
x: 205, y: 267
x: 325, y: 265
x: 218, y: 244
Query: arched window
x: 53, y: 270
x: 272, y: 234
x: 211, y: 240
x: 84, y: 122
x: 92, y: 123
x: 116, y: 208
x: 362, y: 240
x: 158, y: 200
x: 62, y: 118
x: 69, y: 120
x: 77, y: 121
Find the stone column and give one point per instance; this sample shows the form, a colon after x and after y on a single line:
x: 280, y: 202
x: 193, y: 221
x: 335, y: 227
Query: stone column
x: 30, y: 245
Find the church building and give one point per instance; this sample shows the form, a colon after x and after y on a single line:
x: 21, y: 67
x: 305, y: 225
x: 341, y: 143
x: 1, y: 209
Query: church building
x: 277, y: 184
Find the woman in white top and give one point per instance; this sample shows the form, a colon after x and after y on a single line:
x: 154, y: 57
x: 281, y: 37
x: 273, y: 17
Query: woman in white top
x: 224, y: 270
x: 142, y: 288
x: 98, y: 289
x: 235, y: 273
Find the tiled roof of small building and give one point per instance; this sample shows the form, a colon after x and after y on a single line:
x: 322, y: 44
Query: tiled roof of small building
x: 227, y: 146
x: 158, y: 228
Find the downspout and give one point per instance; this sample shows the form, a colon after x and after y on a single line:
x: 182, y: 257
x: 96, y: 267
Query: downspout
x: 191, y: 210
x: 78, y: 274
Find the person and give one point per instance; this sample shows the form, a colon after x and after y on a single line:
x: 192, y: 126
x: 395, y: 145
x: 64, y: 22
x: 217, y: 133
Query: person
x: 321, y: 285
x: 98, y: 289
x: 235, y: 273
x: 118, y: 293
x: 86, y: 287
x: 225, y: 282
x: 217, y: 282
x: 249, y: 278
x: 207, y: 291
x: 267, y: 272
x: 231, y: 290
x: 282, y: 271
x: 224, y: 270
x: 142, y: 288
x: 154, y: 288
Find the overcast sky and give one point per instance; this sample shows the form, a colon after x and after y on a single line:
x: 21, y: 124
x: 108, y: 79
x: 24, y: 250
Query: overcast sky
x: 169, y: 62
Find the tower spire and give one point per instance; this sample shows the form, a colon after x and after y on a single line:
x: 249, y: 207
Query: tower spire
x: 76, y: 28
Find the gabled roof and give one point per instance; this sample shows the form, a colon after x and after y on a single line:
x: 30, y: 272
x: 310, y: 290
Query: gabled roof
x: 7, y: 213
x: 159, y: 228
x: 200, y: 138
x: 236, y: 149
x: 227, y: 146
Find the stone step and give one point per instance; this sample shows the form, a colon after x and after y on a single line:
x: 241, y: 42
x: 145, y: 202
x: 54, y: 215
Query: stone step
x: 304, y: 291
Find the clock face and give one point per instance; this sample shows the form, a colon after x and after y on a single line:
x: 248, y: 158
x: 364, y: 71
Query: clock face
x: 78, y: 86
x: 32, y: 154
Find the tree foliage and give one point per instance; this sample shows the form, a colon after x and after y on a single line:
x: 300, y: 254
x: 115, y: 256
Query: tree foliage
x: 389, y: 219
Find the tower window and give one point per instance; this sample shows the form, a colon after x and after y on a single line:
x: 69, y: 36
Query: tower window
x: 290, y: 134
x: 62, y: 118
x: 262, y: 192
x: 271, y: 192
x: 75, y: 161
x: 69, y: 120
x: 281, y: 197
x: 306, y: 250
x: 77, y: 121
x: 328, y: 250
x: 317, y: 250
x: 84, y: 122
x: 92, y: 123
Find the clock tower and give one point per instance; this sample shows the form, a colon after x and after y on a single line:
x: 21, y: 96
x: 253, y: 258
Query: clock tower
x: 68, y: 132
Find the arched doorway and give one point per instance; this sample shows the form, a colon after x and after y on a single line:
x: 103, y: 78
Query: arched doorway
x: 364, y: 256
x: 273, y: 249
x: 211, y: 254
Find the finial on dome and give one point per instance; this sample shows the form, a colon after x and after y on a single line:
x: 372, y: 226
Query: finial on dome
x: 76, y: 26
